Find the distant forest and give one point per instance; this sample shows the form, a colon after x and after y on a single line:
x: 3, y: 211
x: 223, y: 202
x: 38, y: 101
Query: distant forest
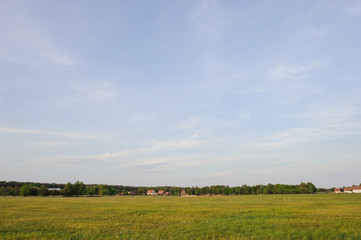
x: 13, y: 188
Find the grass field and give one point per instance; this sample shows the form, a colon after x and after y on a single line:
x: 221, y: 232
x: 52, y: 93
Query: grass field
x: 136, y: 217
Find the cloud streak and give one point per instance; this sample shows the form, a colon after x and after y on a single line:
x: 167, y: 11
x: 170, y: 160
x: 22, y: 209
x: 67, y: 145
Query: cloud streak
x: 49, y: 133
x: 323, y: 124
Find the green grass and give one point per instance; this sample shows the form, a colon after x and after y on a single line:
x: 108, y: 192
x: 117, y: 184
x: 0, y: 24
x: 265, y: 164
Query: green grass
x: 230, y: 217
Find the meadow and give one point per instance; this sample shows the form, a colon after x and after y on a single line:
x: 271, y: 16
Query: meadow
x: 316, y: 216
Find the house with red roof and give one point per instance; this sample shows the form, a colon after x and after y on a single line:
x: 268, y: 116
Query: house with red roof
x: 356, y: 189
x: 353, y: 189
x: 151, y: 192
x: 337, y: 190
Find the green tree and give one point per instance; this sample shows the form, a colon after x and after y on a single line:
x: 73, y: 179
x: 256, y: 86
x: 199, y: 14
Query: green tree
x: 43, y: 191
x: 78, y: 188
x: 2, y: 191
x: 10, y: 191
x: 25, y: 190
x: 89, y: 190
x: 245, y: 190
x: 311, y: 187
x: 226, y: 190
x: 268, y: 189
x: 67, y: 190
x: 107, y: 190
x: 197, y: 192
x: 261, y: 189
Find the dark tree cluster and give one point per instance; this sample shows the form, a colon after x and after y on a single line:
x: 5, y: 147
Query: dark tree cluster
x: 13, y: 188
x: 303, y: 188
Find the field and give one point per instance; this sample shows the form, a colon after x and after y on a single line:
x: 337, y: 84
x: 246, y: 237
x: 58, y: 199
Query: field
x: 323, y: 216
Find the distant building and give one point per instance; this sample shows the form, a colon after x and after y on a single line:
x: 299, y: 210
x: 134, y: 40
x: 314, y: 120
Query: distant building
x: 183, y: 193
x: 356, y: 189
x: 161, y: 192
x: 337, y: 190
x: 151, y: 192
x: 54, y: 189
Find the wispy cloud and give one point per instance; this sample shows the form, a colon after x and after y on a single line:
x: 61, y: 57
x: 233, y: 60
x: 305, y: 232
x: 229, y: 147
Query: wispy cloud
x: 59, y: 58
x: 24, y: 42
x: 49, y: 144
x: 142, y: 155
x: 50, y: 133
x: 354, y: 8
x: 186, y: 143
x: 96, y: 91
x: 191, y: 123
x: 170, y: 163
x: 281, y: 140
x: 209, y: 17
x: 314, y: 32
x: 157, y: 147
x: 152, y: 166
x: 220, y: 174
x: 13, y: 160
x: 291, y: 72
x: 325, y: 174
x: 323, y: 124
x: 296, y: 136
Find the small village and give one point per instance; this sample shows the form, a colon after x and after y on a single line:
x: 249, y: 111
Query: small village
x: 182, y: 193
x: 353, y: 189
x: 152, y: 192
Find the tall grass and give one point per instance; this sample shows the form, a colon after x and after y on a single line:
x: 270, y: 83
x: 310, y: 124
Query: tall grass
x: 136, y: 217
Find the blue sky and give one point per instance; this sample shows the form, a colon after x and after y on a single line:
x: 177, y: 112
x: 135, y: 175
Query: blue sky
x: 181, y: 92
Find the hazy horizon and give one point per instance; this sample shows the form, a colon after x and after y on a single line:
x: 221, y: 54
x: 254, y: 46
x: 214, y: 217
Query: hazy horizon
x: 181, y: 93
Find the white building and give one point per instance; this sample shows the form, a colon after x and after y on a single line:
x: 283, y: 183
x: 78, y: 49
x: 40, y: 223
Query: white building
x: 356, y: 189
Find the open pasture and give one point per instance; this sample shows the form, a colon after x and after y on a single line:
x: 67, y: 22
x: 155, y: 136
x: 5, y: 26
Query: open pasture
x: 327, y: 216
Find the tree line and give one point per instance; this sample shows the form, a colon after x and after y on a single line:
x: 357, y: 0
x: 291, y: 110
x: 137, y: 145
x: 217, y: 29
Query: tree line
x: 79, y: 188
x: 302, y: 188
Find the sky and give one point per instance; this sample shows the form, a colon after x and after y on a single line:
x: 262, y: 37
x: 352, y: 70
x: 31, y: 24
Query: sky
x: 181, y: 93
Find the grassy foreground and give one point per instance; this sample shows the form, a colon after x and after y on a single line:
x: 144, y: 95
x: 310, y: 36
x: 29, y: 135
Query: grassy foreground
x: 138, y: 217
